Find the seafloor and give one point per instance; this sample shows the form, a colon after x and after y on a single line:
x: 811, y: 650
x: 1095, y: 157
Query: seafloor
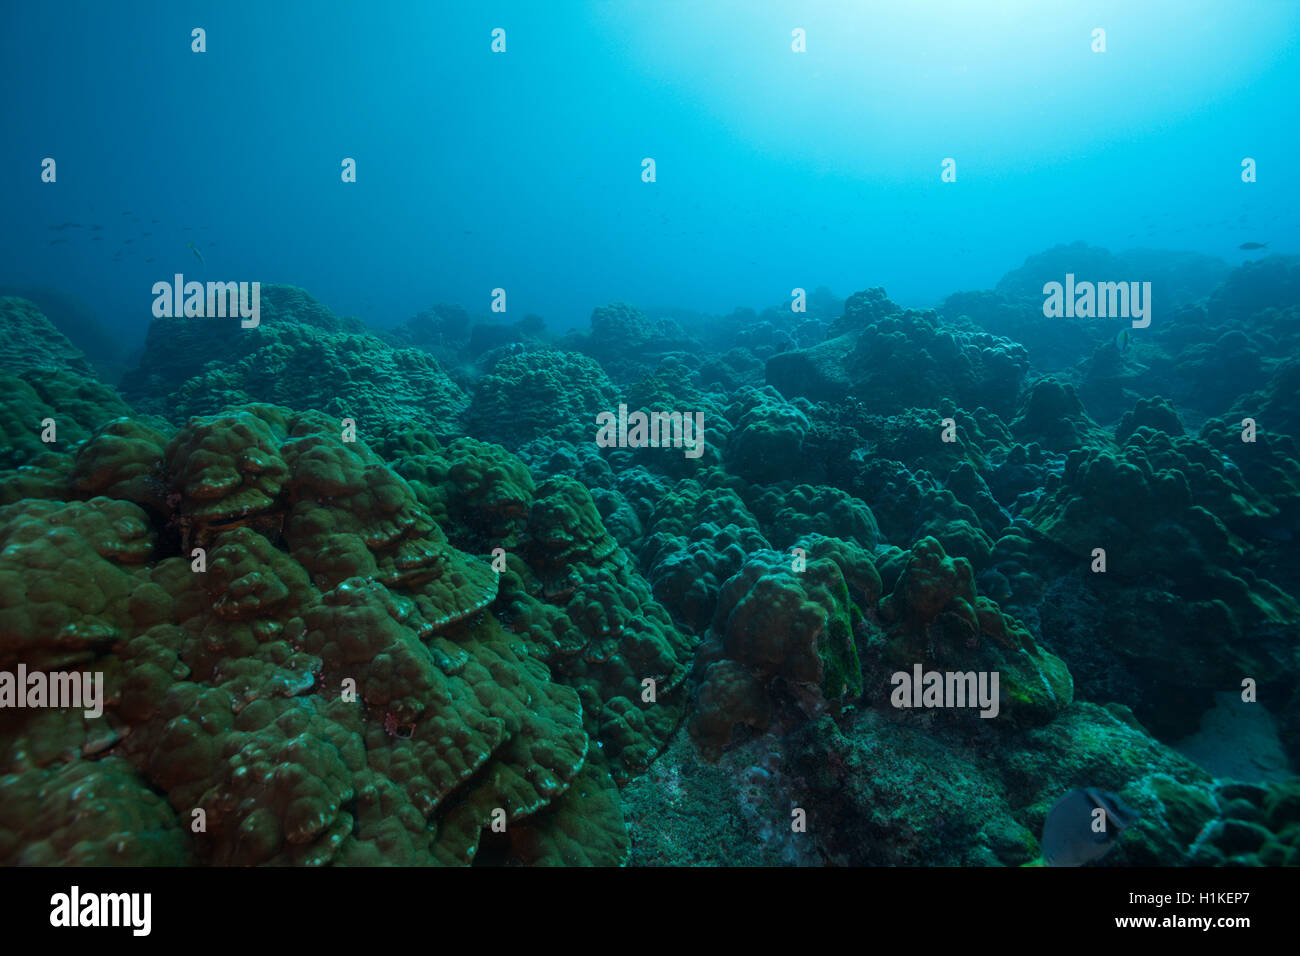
x: 366, y: 597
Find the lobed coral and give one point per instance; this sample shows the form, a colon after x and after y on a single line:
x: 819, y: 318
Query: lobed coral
x: 329, y: 687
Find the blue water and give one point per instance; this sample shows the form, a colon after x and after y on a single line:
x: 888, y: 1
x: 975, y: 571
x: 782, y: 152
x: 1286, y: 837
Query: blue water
x: 522, y: 170
x: 1094, y: 502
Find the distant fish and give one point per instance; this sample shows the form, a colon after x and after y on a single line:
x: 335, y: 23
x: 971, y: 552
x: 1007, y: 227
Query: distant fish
x: 55, y: 242
x: 1253, y: 245
x: 196, y: 252
x: 154, y: 221
x: 1122, y: 339
x: 188, y: 229
x: 127, y: 242
x: 96, y: 228
x: 1075, y: 834
x: 96, y: 238
x: 127, y: 213
x: 146, y: 233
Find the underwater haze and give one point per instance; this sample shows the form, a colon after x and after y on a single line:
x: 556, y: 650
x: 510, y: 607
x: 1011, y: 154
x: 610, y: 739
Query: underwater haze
x: 650, y: 433
x: 774, y: 170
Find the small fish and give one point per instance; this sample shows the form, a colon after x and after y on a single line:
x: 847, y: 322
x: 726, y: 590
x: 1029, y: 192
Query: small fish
x: 1122, y: 339
x: 55, y: 242
x: 148, y: 260
x: 188, y: 229
x: 1074, y: 834
x: 195, y: 250
x: 96, y: 238
x: 1253, y: 245
x: 127, y: 242
x: 154, y: 221
x: 146, y: 233
x: 96, y: 228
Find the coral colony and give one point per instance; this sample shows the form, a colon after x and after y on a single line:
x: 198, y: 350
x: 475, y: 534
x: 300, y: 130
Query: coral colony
x: 362, y: 612
x: 833, y: 581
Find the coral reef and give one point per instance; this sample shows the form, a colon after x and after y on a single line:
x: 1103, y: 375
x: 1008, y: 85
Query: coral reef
x: 327, y: 684
x: 364, y: 598
x: 299, y: 355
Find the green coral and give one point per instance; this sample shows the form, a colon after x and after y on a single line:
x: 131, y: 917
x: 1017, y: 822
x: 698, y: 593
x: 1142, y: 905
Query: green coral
x: 299, y: 355
x: 542, y: 392
x: 30, y: 401
x: 330, y: 684
x: 934, y: 617
x: 32, y: 343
